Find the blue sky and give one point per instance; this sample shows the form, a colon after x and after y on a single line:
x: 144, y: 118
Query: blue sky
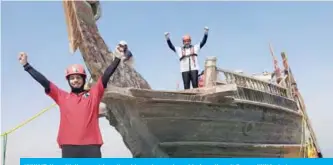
x: 239, y: 36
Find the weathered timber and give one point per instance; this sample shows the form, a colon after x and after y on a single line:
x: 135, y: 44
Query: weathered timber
x: 152, y: 123
x: 210, y: 72
x: 83, y: 34
x: 239, y: 116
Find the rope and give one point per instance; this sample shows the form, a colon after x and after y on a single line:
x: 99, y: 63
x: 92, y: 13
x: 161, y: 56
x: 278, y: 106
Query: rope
x: 307, y: 145
x: 29, y: 120
x: 303, y: 140
x: 5, y: 134
x: 4, y: 149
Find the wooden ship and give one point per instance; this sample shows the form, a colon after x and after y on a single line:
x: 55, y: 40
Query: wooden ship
x: 233, y: 115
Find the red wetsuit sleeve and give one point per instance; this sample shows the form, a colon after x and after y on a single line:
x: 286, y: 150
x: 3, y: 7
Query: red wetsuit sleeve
x: 97, y: 90
x: 54, y: 92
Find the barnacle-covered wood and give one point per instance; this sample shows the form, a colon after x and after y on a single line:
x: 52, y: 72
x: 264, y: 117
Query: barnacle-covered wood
x: 83, y: 34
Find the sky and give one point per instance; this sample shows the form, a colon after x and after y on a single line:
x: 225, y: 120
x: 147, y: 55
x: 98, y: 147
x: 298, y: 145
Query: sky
x: 239, y: 36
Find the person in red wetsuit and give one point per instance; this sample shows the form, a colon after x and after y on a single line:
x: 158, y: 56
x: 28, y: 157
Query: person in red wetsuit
x: 201, y: 79
x: 79, y: 134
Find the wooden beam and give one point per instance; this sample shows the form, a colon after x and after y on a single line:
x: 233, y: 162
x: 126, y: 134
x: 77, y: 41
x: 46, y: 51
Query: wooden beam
x: 210, y: 72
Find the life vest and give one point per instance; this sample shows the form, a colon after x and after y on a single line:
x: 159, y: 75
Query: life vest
x: 192, y: 54
x: 201, y: 81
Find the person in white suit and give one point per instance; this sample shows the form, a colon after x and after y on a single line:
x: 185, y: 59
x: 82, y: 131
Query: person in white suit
x: 187, y: 53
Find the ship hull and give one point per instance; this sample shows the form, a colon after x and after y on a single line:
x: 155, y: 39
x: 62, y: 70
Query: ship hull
x: 198, y: 125
x: 244, y: 117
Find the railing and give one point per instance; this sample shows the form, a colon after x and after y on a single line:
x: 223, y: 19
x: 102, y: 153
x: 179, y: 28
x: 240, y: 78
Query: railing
x: 252, y: 89
x: 249, y: 88
x: 253, y: 83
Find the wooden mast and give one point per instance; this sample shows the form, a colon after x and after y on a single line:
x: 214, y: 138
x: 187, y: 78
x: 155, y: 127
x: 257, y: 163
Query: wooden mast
x: 291, y: 83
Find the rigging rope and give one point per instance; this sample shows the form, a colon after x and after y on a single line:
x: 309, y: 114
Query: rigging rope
x: 5, y: 134
x: 4, y: 143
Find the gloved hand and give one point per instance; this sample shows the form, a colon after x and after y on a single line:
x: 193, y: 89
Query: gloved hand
x: 117, y: 53
x: 206, y: 29
x: 23, y: 58
x: 167, y: 35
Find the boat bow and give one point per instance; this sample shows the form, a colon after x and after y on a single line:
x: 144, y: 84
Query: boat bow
x: 83, y: 34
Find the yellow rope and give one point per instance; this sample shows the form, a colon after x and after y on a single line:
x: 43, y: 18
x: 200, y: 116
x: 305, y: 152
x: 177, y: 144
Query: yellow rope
x: 302, y: 151
x: 308, y: 149
x: 29, y: 120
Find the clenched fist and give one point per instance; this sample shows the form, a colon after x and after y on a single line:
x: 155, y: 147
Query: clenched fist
x: 206, y: 29
x: 23, y: 58
x: 167, y: 35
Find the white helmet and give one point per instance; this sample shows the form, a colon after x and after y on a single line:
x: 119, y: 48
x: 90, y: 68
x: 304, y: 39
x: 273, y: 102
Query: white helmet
x: 123, y: 43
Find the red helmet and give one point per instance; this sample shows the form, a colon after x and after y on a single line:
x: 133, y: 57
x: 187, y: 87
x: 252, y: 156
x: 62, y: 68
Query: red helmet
x: 187, y: 37
x: 75, y: 69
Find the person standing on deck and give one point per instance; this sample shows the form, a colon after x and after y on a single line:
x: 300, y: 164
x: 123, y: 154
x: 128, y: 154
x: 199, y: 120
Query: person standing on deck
x: 188, y: 53
x: 127, y: 56
x: 79, y: 134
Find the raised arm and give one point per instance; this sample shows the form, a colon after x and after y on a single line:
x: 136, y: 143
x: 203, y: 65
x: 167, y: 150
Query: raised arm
x: 41, y: 79
x: 109, y: 71
x: 171, y: 46
x: 50, y: 89
x: 204, y: 39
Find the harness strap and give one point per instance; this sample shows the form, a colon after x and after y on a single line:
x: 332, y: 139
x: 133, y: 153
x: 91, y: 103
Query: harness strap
x: 192, y: 54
